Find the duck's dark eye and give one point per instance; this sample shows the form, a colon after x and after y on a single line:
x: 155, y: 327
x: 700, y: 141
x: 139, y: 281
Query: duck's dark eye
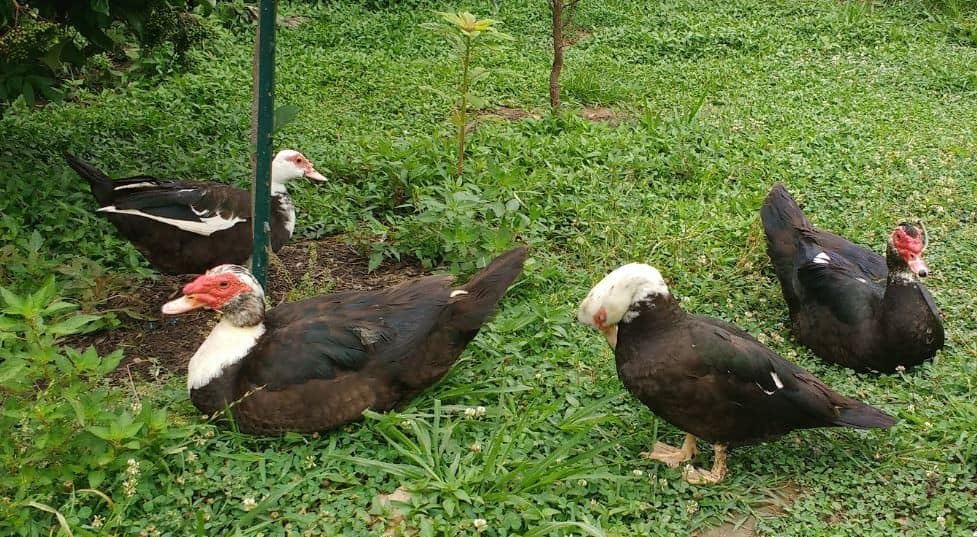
x: 224, y: 284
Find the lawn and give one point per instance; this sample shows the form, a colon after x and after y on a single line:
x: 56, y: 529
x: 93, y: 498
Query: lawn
x: 867, y: 111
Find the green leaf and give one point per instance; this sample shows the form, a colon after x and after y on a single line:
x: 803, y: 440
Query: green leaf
x: 59, y: 307
x: 44, y: 295
x: 95, y: 478
x: 27, y: 90
x: 100, y: 6
x: 11, y: 371
x: 15, y: 302
x: 72, y: 325
x: 284, y: 115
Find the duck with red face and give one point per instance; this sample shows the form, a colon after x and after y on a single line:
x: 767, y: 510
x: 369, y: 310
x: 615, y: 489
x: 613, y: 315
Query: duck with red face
x: 318, y: 363
x: 852, y: 306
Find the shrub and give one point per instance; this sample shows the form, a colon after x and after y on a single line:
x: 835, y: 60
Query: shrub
x: 73, y: 445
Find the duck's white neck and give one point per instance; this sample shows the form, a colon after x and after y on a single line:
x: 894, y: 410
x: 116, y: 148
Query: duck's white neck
x: 227, y: 344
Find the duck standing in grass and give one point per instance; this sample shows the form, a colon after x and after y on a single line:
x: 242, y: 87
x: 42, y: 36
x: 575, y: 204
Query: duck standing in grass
x: 318, y: 363
x: 849, y: 305
x: 708, y: 377
x: 186, y: 227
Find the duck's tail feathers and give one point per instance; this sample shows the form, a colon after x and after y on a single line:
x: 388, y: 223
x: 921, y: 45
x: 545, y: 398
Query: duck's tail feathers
x: 100, y: 183
x: 862, y: 416
x: 475, y: 301
x: 781, y: 214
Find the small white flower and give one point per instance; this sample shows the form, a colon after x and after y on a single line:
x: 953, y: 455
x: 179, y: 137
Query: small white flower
x: 191, y: 457
x: 136, y: 407
x: 582, y: 483
x: 900, y: 369
x: 132, y: 467
x: 249, y: 503
x: 951, y: 480
x: 637, y: 473
x: 911, y: 408
x: 480, y: 411
x: 469, y: 413
x: 941, y: 521
x: 475, y: 447
x: 692, y: 507
x: 480, y: 524
x: 310, y: 462
x: 97, y: 521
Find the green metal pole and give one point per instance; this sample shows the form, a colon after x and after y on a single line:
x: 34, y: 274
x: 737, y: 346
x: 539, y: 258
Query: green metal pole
x: 265, y: 97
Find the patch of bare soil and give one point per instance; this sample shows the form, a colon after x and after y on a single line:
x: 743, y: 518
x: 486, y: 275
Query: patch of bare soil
x: 509, y: 114
x: 600, y: 114
x: 744, y: 525
x: 157, y: 346
x: 576, y: 36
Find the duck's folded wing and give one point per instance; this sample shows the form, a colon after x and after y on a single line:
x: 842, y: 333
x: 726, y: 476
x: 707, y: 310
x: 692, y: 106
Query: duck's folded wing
x: 322, y: 337
x: 841, y: 286
x: 764, y: 379
x: 198, y: 209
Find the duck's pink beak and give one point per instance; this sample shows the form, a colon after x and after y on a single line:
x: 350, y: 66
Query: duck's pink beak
x: 918, y: 266
x: 315, y: 176
x: 182, y: 305
x: 610, y: 332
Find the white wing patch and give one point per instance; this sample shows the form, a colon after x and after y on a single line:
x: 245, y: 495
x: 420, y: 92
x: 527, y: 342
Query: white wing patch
x: 135, y: 185
x: 206, y: 226
x: 457, y: 292
x: 762, y: 389
x: 776, y: 380
x: 822, y: 258
x: 227, y: 344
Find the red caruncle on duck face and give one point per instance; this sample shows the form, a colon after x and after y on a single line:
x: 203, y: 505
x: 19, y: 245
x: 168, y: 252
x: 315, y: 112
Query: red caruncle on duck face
x: 215, y: 290
x: 909, y: 242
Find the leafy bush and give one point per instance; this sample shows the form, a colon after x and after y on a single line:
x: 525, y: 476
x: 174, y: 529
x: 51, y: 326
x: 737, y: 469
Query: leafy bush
x: 32, y: 52
x: 74, y: 447
x: 41, y: 44
x: 463, y: 222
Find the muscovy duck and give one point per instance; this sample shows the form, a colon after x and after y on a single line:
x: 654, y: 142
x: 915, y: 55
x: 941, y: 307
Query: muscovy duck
x: 705, y: 376
x: 318, y: 363
x: 848, y: 304
x: 185, y: 227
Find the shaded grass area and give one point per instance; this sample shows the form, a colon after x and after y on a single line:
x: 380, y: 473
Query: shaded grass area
x: 865, y: 110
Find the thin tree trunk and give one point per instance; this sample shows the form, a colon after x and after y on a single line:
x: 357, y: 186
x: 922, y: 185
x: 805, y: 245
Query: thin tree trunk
x: 556, y: 7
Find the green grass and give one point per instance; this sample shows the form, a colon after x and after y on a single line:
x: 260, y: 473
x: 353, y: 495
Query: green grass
x: 866, y: 110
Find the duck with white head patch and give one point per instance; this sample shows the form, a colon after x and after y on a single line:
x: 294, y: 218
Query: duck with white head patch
x: 185, y: 227
x: 318, y: 363
x: 705, y: 376
x: 852, y: 306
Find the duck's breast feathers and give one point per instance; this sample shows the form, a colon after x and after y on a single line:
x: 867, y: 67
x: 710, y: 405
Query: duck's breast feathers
x: 198, y: 208
x: 318, y: 338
